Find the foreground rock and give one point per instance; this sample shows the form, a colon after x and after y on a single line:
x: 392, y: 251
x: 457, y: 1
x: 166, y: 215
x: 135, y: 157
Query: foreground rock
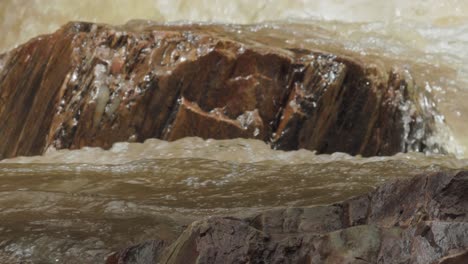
x: 94, y: 85
x: 423, y: 220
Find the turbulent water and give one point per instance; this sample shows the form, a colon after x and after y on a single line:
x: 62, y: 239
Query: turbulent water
x: 76, y: 206
x: 85, y: 202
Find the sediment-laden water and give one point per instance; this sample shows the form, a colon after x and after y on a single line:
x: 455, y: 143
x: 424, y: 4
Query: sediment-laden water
x: 83, y: 203
x: 77, y: 206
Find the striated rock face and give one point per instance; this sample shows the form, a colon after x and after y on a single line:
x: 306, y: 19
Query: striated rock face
x: 94, y: 85
x: 423, y: 220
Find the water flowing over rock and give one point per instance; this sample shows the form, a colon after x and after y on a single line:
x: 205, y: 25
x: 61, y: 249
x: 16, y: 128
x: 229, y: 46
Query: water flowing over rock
x: 421, y: 220
x: 94, y: 85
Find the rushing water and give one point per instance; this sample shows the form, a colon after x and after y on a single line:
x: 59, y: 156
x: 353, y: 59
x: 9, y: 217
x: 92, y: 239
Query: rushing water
x: 76, y: 206
x: 86, y: 202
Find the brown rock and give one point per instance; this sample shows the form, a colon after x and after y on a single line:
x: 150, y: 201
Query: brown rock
x: 94, y: 85
x: 192, y: 121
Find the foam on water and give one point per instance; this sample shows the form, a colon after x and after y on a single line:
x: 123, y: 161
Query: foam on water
x: 235, y: 150
x: 25, y: 19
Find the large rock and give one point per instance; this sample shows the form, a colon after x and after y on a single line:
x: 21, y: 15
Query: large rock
x: 94, y: 85
x: 423, y: 220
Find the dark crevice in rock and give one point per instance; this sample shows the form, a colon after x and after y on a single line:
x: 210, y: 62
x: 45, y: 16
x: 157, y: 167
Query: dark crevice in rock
x: 174, y: 107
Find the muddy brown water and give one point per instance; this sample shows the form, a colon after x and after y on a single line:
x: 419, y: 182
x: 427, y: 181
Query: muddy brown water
x: 77, y: 206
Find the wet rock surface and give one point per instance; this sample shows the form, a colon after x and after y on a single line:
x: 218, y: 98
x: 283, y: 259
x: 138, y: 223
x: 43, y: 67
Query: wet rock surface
x: 94, y: 85
x: 422, y: 220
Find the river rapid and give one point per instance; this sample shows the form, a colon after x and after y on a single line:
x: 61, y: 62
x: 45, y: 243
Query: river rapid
x: 76, y: 206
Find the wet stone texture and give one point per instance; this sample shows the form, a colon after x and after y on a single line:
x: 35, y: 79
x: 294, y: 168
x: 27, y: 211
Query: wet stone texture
x: 94, y: 85
x: 423, y: 220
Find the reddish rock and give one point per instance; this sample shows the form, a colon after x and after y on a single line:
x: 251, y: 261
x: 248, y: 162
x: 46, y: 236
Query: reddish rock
x: 192, y: 121
x: 94, y: 85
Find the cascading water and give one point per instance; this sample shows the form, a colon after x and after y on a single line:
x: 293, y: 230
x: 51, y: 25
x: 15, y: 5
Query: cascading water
x: 82, y: 203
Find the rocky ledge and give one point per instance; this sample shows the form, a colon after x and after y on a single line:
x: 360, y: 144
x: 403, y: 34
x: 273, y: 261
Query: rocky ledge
x: 422, y: 220
x: 94, y: 85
